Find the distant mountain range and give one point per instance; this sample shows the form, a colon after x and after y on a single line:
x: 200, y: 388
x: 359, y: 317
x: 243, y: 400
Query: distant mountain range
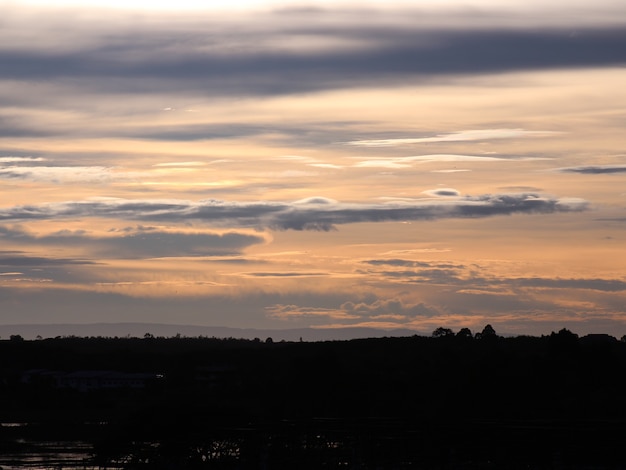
x: 166, y: 330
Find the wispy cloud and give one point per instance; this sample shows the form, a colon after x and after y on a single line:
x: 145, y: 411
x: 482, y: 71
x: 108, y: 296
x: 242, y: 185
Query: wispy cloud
x: 179, y: 164
x: 308, y: 214
x: 331, y: 166
x: 405, y: 162
x: 58, y: 174
x: 295, y: 312
x: 12, y: 159
x: 467, y: 281
x: 412, y: 263
x: 606, y: 285
x: 462, y: 136
x: 381, y: 310
x: 22, y: 260
x: 594, y: 169
x: 286, y: 274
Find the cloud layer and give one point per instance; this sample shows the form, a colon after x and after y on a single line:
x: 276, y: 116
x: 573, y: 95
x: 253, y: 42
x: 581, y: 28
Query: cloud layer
x: 310, y: 214
x: 239, y: 58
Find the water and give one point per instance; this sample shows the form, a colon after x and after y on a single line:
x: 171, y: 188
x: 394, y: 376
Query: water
x: 46, y: 455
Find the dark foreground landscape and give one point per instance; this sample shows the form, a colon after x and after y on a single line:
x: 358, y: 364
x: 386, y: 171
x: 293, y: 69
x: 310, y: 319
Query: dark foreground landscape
x: 443, y: 402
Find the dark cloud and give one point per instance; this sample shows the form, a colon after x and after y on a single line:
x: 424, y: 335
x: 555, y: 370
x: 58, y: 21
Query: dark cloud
x: 605, y: 285
x: 286, y: 274
x: 450, y: 273
x: 396, y: 307
x: 434, y: 272
x: 594, y: 170
x: 311, y: 214
x: 422, y: 275
x: 245, y: 59
x: 398, y: 262
x: 319, y: 133
x: 140, y: 242
x: 412, y: 264
x: 445, y: 192
x: 166, y: 244
x: 199, y: 132
x: 521, y: 189
x: 442, y: 192
x: 13, y: 259
x: 14, y: 128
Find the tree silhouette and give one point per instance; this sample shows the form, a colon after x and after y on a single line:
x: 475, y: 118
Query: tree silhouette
x: 564, y: 333
x: 564, y: 340
x: 441, y: 332
x: 488, y: 333
x: 465, y: 333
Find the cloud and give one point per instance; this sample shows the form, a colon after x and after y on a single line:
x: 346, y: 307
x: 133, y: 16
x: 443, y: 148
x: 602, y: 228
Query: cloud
x: 378, y: 309
x: 521, y: 189
x: 330, y: 166
x: 191, y: 132
x: 605, y: 285
x: 14, y: 159
x: 405, y: 162
x: 27, y: 269
x: 59, y: 174
x: 392, y: 163
x: 291, y: 312
x: 468, y: 300
x: 435, y: 275
x: 461, y: 276
x: 286, y: 274
x: 226, y: 56
x: 394, y: 307
x: 30, y: 169
x: 171, y: 244
x: 594, y: 170
x: 180, y: 164
x: 462, y: 136
x: 398, y: 262
x: 311, y: 214
x: 442, y: 192
x: 413, y: 264
x: 417, y: 250
x: 138, y: 242
x: 19, y: 260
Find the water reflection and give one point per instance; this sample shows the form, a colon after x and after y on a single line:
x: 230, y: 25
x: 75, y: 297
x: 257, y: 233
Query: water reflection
x: 286, y: 444
x: 46, y: 455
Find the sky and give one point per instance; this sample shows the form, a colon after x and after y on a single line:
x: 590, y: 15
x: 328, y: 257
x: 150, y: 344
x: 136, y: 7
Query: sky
x: 290, y: 164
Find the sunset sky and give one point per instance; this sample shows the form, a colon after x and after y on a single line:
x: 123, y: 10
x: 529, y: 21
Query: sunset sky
x: 290, y: 164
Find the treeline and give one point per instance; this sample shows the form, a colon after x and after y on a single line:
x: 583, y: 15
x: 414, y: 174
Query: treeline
x: 438, y: 388
x: 457, y: 374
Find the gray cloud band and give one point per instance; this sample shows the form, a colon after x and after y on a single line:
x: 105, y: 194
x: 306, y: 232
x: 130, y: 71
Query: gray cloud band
x: 248, y: 63
x: 594, y: 170
x: 311, y: 214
